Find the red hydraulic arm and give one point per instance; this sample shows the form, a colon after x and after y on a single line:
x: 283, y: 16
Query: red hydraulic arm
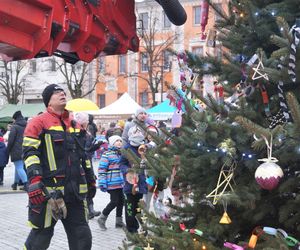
x: 72, y: 29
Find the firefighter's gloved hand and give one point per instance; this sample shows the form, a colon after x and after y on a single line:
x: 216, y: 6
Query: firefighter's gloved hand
x: 36, y: 191
x: 62, y: 214
x: 54, y: 209
x: 58, y: 206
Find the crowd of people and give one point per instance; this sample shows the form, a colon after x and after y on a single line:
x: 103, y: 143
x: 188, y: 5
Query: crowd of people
x: 53, y: 155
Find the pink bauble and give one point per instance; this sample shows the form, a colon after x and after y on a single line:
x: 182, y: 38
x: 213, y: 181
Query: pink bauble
x: 268, y: 175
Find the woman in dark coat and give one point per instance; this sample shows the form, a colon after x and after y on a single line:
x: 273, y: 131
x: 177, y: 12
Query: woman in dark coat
x: 14, y: 148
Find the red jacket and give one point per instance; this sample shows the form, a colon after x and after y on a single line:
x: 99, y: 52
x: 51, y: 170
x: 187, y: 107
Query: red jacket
x: 51, y: 149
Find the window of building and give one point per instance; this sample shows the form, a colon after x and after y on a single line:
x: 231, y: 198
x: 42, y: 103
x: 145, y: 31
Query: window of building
x: 52, y: 64
x: 197, y: 50
x: 32, y: 67
x: 144, y: 99
x: 101, y: 99
x: 101, y: 65
x: 144, y: 62
x: 167, y: 59
x: 144, y: 17
x: 197, y: 15
x: 166, y: 21
x: 122, y: 64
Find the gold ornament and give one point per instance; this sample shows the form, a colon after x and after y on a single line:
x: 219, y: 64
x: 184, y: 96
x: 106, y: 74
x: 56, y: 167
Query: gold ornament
x: 225, y: 219
x: 148, y: 247
x: 225, y: 176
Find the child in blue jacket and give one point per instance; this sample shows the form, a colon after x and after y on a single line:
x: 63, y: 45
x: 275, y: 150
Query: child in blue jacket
x: 3, y: 158
x: 110, y: 179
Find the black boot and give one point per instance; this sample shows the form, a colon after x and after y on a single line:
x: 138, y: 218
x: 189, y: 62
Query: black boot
x: 14, y: 186
x: 92, y: 212
x: 25, y: 187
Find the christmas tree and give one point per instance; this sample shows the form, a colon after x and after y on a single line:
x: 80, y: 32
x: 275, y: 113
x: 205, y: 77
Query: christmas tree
x: 237, y: 182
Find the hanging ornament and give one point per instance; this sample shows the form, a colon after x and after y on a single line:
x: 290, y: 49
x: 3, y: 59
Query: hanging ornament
x: 204, y: 17
x: 219, y: 92
x: 148, y: 247
x: 257, y: 71
x: 176, y: 119
x: 268, y: 174
x: 225, y: 218
x: 225, y: 176
x: 254, y: 237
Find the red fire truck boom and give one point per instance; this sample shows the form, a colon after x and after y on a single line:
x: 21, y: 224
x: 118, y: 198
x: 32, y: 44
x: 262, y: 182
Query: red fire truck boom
x: 72, y: 29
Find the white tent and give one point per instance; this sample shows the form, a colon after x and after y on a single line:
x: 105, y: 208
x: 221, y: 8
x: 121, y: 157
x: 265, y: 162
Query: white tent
x: 124, y: 106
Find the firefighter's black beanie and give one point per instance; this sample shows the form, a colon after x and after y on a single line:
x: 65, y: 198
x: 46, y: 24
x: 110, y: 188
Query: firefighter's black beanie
x: 48, y: 91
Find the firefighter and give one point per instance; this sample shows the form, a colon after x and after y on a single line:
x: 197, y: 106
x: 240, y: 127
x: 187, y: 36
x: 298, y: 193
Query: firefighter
x: 58, y: 175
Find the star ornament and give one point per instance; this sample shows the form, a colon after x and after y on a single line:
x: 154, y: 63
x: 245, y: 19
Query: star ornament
x: 148, y: 247
x: 257, y: 73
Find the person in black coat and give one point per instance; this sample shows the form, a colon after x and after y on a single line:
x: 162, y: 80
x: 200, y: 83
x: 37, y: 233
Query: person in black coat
x: 3, y: 157
x: 14, y: 148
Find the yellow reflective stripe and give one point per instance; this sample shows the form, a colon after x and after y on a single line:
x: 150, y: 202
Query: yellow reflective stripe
x: 32, y: 225
x: 50, y: 154
x: 33, y: 159
x: 30, y: 142
x: 56, y: 128
x: 55, y: 188
x: 86, y: 211
x: 74, y: 130
x: 24, y: 247
x: 83, y: 188
x: 48, y: 216
x: 88, y: 163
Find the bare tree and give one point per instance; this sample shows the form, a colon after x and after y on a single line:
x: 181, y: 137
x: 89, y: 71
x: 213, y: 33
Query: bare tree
x: 12, y: 81
x: 76, y: 76
x: 154, y: 53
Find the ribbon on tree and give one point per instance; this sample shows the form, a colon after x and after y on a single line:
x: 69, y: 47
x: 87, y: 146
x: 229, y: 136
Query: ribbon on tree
x: 283, y: 114
x: 292, y: 58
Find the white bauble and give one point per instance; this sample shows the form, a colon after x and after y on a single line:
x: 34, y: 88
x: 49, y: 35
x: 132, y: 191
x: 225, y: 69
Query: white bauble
x: 268, y: 175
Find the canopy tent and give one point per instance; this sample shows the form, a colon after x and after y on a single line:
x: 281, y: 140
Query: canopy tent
x: 28, y: 110
x: 121, y: 108
x: 162, y: 111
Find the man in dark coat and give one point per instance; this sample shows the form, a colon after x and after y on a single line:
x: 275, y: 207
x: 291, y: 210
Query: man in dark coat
x: 14, y: 148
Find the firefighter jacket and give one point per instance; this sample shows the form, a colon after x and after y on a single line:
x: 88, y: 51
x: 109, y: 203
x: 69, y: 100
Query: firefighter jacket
x: 51, y: 149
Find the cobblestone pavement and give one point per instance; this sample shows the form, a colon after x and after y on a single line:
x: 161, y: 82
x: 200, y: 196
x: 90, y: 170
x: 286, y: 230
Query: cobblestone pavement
x: 14, y: 229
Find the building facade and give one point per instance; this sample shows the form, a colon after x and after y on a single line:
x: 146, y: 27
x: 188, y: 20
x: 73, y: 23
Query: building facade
x: 36, y: 74
x: 127, y: 73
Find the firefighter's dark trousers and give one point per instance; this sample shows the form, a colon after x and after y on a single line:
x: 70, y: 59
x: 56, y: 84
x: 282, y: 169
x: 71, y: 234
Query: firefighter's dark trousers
x: 76, y: 227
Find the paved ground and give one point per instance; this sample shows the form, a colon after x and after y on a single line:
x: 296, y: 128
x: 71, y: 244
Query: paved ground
x: 14, y: 229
